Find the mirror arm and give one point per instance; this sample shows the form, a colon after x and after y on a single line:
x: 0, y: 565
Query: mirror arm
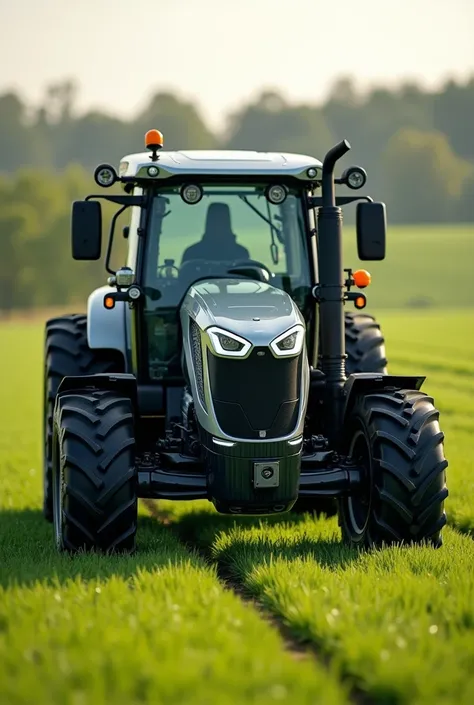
x: 111, y: 238
x: 120, y: 200
x: 317, y: 201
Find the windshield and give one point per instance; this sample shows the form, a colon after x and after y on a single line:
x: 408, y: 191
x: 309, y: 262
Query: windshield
x: 230, y: 226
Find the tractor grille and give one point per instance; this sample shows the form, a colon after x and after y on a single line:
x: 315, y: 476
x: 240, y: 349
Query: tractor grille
x: 196, y: 348
x: 258, y: 397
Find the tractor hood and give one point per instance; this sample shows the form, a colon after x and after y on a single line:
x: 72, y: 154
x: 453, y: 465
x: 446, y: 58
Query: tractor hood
x: 249, y: 308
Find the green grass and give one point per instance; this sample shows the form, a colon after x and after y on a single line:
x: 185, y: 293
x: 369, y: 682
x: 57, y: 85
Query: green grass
x: 440, y: 345
x: 161, y: 626
x: 426, y: 266
x: 399, y: 623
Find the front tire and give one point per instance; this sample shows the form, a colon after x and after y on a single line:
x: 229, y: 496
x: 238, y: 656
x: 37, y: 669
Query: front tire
x: 395, y: 437
x: 66, y: 354
x: 94, y: 477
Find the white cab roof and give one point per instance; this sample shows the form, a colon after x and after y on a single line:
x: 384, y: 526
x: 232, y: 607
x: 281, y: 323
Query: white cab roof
x: 226, y: 163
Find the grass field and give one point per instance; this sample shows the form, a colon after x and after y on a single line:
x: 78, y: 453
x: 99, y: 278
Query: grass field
x: 218, y: 610
x: 426, y: 266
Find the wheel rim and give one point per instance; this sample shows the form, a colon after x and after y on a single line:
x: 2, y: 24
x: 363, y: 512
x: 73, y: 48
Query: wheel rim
x: 359, y: 505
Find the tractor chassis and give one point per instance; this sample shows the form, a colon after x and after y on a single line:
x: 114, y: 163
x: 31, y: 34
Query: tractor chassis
x: 175, y: 476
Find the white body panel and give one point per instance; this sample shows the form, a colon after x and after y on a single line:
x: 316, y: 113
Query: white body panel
x: 108, y: 329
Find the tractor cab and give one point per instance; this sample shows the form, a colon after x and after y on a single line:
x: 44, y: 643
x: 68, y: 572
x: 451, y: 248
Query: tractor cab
x: 215, y: 231
x: 198, y: 215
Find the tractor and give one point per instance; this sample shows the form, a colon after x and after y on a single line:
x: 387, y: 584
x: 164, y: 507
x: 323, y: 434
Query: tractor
x: 220, y: 361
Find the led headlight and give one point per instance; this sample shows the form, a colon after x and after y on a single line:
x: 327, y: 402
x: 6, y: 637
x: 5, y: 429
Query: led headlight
x: 288, y: 343
x: 228, y: 344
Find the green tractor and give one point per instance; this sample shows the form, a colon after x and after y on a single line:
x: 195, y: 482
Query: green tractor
x: 219, y: 362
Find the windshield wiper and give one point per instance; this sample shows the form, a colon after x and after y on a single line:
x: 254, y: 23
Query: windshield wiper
x: 274, y: 228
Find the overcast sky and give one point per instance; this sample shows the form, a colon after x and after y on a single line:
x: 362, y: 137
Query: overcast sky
x: 222, y: 53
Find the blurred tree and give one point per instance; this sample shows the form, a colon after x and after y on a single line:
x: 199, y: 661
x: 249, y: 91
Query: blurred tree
x: 270, y: 124
x: 423, y: 178
x: 454, y: 115
x: 466, y: 202
x: 93, y: 139
x: 17, y: 144
x: 17, y: 226
x: 369, y: 121
x: 178, y: 120
x: 60, y: 100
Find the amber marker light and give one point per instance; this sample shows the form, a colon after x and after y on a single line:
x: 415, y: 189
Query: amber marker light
x: 362, y: 278
x: 109, y: 302
x: 360, y: 302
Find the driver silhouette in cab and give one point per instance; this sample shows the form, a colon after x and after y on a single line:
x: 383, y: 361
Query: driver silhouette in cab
x: 218, y: 242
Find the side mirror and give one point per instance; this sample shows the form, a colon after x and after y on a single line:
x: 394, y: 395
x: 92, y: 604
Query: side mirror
x: 86, y: 230
x: 371, y: 231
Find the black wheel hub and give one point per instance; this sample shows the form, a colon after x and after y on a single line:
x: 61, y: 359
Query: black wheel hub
x: 359, y: 505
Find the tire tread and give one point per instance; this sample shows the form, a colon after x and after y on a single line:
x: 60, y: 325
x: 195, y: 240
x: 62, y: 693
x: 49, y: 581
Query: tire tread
x: 99, y: 507
x: 409, y: 469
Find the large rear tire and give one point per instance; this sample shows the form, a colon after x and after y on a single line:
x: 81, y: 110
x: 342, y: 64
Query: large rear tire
x: 365, y: 344
x: 395, y: 436
x: 66, y: 354
x: 94, y: 476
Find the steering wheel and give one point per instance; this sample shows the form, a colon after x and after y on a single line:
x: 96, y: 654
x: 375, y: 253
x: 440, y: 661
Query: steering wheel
x: 164, y: 270
x: 251, y: 265
x: 200, y: 268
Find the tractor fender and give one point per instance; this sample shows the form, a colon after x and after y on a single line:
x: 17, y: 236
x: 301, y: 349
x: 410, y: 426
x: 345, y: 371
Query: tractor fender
x: 108, y: 329
x: 368, y: 382
x: 120, y: 382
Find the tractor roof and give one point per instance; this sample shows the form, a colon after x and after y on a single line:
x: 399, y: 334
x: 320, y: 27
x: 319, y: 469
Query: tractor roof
x: 226, y: 163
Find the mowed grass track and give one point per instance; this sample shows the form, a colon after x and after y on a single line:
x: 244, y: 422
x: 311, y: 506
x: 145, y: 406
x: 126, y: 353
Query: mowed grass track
x: 397, y: 625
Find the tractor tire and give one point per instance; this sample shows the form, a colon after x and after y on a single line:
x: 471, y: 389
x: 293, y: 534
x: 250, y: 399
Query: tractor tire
x: 365, y: 344
x: 66, y: 353
x: 365, y: 349
x: 396, y: 438
x: 94, y: 475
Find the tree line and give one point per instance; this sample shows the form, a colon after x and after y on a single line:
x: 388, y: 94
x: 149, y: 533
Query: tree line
x: 417, y: 146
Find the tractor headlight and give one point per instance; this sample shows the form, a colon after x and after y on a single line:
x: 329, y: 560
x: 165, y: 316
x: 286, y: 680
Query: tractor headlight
x: 354, y: 177
x: 105, y: 175
x: 228, y: 344
x: 288, y: 343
